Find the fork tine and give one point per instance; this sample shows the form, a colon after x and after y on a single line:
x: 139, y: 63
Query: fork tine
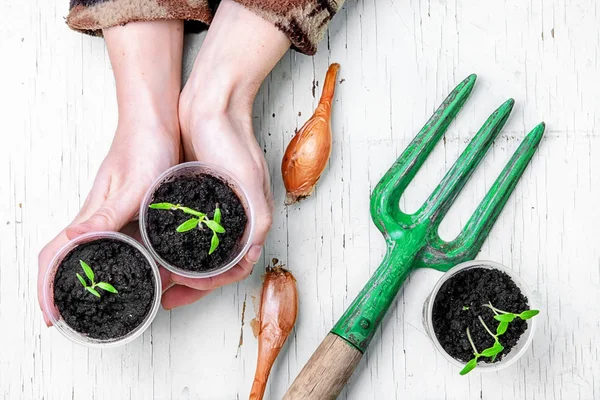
x: 444, y: 195
x: 386, y: 195
x: 465, y: 247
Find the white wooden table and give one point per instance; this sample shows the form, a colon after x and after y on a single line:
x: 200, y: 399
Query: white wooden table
x: 399, y: 59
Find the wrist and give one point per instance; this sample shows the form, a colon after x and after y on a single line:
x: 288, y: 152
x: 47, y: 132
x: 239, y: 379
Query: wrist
x: 146, y: 61
x: 220, y: 90
x: 238, y: 53
x: 149, y: 114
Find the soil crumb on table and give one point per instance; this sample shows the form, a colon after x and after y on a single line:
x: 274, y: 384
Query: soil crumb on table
x: 189, y: 250
x: 113, y: 315
x: 460, y: 301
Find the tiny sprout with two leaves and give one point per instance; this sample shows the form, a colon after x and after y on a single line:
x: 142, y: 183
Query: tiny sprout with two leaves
x: 492, y: 352
x: 91, y: 276
x: 504, y: 316
x: 196, y: 221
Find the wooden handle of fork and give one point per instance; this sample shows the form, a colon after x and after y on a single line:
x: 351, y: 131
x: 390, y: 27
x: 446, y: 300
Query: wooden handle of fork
x: 327, y: 371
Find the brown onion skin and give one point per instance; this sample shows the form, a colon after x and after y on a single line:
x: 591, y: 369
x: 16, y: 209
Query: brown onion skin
x: 308, y: 152
x: 277, y: 316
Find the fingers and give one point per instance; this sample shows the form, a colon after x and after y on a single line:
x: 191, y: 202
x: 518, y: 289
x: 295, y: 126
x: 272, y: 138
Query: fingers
x: 253, y: 254
x: 262, y: 226
x: 238, y: 273
x: 263, y: 208
x: 189, y: 290
x: 165, y: 279
x: 178, y: 296
x: 44, y: 259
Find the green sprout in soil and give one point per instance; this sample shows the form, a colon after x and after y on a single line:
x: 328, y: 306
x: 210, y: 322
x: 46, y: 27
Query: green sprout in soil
x: 92, y: 288
x: 504, y: 318
x: 491, y: 352
x: 196, y: 221
x: 465, y: 308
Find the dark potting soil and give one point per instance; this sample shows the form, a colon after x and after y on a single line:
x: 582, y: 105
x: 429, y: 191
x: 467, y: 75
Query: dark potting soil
x: 472, y: 288
x: 189, y: 250
x: 113, y: 315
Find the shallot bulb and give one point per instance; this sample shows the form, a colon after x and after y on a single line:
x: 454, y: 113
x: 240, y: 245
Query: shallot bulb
x: 307, y: 154
x: 276, y: 319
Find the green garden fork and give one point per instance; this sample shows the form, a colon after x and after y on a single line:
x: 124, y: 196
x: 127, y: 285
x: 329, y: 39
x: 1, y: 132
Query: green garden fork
x: 413, y: 240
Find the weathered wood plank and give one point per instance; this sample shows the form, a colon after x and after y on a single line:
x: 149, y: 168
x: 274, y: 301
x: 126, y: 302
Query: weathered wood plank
x: 399, y: 59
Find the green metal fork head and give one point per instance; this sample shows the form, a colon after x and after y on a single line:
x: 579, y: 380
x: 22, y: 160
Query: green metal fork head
x: 412, y: 239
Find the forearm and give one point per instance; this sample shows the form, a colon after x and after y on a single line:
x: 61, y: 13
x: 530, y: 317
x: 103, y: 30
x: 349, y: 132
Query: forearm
x: 239, y: 51
x: 146, y: 62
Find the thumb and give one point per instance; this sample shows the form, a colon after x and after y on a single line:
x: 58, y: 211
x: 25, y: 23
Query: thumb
x: 263, y: 222
x: 111, y: 216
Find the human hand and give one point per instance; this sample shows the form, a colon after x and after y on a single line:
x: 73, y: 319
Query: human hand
x: 138, y: 155
x: 226, y: 141
x: 215, y: 113
x: 146, y: 61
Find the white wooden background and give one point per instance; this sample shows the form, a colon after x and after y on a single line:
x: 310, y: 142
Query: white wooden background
x: 399, y: 59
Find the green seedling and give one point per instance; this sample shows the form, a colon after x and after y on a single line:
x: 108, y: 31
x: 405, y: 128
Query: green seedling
x: 504, y: 318
x: 491, y: 352
x: 91, y: 276
x: 465, y: 308
x: 473, y: 363
x: 197, y: 221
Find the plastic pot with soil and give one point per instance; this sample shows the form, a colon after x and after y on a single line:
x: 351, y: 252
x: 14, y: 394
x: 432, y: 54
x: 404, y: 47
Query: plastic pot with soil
x: 480, y: 316
x: 102, y: 289
x: 196, y: 220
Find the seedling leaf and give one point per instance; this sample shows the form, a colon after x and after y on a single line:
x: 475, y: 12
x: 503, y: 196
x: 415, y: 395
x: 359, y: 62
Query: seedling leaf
x: 83, y: 282
x: 469, y: 367
x: 215, y: 226
x: 505, y: 317
x: 188, y: 225
x: 191, y: 211
x: 107, y: 286
x: 528, y: 314
x: 501, y: 329
x: 199, y: 219
x: 93, y: 291
x: 162, y: 206
x: 492, y: 351
x: 88, y: 271
x: 214, y: 243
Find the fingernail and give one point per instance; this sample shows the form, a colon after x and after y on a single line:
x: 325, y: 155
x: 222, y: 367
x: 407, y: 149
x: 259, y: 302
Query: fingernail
x: 254, y: 254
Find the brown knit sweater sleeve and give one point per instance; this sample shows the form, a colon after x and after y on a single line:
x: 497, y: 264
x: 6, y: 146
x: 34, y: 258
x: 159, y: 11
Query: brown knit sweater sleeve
x: 303, y: 21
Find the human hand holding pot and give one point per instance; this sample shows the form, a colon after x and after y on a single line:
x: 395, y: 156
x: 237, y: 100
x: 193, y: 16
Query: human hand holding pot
x: 215, y: 113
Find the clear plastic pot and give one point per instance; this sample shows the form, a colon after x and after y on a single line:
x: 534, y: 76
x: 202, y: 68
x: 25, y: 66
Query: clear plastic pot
x: 54, y: 315
x: 192, y: 169
x: 524, y: 341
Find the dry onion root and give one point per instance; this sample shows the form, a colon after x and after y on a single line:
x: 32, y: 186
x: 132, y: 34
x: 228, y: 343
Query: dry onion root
x: 277, y: 316
x: 307, y: 154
